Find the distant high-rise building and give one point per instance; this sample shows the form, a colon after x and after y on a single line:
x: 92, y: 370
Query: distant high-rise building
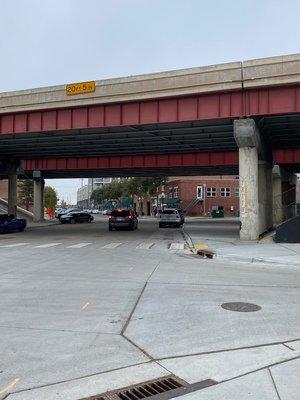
x: 84, y: 193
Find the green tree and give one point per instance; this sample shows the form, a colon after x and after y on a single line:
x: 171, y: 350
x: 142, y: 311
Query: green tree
x: 51, y: 198
x: 99, y: 195
x: 25, y: 193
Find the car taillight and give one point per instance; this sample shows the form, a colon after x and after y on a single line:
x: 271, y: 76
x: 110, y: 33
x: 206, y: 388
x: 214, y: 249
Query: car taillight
x: 129, y: 216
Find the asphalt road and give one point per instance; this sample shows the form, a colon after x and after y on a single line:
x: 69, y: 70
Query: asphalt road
x: 79, y: 301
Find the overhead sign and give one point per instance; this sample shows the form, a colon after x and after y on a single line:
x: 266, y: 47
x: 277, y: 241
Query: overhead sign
x: 80, y: 87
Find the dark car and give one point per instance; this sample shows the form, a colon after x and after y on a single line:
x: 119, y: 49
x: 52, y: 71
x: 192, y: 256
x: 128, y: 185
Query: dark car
x: 76, y: 216
x: 122, y: 219
x: 66, y: 211
x: 8, y: 223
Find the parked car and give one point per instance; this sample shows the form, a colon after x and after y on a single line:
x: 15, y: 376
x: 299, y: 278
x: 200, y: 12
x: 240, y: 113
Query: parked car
x: 76, y: 216
x: 66, y: 211
x: 8, y: 223
x: 95, y: 211
x: 106, y: 212
x: 122, y: 219
x: 171, y: 217
x: 57, y: 211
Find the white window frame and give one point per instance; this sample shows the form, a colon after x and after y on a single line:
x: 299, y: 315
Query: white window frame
x: 175, y: 192
x: 199, y: 193
x: 211, y: 192
x: 225, y: 192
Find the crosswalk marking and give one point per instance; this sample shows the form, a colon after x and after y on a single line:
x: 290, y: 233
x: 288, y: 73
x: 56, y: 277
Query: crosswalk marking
x: 111, y: 245
x: 45, y: 246
x: 177, y: 246
x: 15, y: 245
x: 78, y: 245
x: 144, y: 246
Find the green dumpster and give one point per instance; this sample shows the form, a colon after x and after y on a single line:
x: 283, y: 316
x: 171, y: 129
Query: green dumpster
x: 217, y: 214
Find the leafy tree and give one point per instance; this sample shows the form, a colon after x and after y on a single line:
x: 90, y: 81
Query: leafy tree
x: 25, y: 193
x: 130, y: 187
x: 51, y: 198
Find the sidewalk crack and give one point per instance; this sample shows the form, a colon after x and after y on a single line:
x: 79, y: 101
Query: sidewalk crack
x: 274, y: 384
x: 131, y: 314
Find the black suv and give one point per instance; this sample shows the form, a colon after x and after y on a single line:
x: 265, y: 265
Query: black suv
x: 120, y: 219
x: 76, y: 216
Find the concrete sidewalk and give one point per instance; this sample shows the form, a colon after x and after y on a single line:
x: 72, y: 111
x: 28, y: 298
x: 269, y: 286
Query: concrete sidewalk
x: 227, y: 245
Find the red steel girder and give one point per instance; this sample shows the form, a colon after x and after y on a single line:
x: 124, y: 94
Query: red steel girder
x: 246, y: 103
x: 286, y: 156
x: 228, y: 158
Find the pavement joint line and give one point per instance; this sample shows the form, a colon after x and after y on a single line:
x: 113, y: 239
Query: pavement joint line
x: 227, y: 350
x: 60, y: 330
x: 273, y: 382
x: 80, y: 377
x: 148, y: 362
x: 266, y: 367
x: 222, y: 285
x: 123, y: 330
x: 285, y: 345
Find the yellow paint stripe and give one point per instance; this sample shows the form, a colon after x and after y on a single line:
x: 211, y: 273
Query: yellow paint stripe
x: 85, y: 305
x: 9, y: 386
x: 200, y: 246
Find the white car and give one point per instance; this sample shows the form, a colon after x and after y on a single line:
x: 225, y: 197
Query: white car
x: 95, y: 211
x: 105, y: 212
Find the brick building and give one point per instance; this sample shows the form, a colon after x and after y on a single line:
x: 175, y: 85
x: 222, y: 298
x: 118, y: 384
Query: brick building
x: 200, y: 194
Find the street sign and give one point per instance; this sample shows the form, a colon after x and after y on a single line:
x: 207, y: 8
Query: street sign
x: 80, y: 88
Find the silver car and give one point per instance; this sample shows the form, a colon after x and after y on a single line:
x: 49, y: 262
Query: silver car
x: 171, y: 217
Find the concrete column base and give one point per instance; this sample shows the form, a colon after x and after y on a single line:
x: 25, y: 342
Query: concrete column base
x: 249, y: 215
x: 277, y: 196
x: 12, y: 194
x: 38, y: 200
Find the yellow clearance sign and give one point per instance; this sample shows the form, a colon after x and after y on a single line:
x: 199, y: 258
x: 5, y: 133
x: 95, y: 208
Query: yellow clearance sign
x: 80, y: 87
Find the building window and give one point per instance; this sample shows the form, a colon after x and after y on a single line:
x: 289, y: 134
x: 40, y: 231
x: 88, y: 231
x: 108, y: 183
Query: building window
x: 225, y: 192
x: 211, y: 192
x: 237, y: 192
x: 200, y: 192
x: 176, y: 192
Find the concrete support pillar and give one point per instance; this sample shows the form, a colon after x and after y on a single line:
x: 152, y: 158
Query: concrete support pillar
x: 265, y: 201
x: 12, y: 193
x: 277, y: 196
x: 255, y: 180
x: 38, y: 200
x: 248, y: 181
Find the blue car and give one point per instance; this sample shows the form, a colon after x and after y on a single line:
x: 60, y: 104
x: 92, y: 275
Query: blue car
x: 8, y: 223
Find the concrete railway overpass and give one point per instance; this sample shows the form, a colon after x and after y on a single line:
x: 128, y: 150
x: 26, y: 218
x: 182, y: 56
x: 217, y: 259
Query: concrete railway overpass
x: 241, y: 117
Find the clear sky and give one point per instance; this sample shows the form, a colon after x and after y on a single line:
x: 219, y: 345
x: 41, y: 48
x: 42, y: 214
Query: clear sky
x: 49, y: 42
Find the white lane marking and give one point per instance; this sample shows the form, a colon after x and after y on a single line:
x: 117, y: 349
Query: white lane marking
x: 144, y: 246
x: 45, y: 246
x: 15, y: 245
x: 111, y: 245
x: 78, y: 245
x: 177, y: 246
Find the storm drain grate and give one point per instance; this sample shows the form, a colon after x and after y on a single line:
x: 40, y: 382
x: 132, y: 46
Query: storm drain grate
x: 153, y: 388
x: 150, y: 389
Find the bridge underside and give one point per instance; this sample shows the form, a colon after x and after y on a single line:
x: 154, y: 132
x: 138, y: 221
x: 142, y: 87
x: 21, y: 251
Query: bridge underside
x: 50, y: 148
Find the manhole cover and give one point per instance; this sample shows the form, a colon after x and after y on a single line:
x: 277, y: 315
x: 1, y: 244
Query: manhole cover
x: 241, y: 307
